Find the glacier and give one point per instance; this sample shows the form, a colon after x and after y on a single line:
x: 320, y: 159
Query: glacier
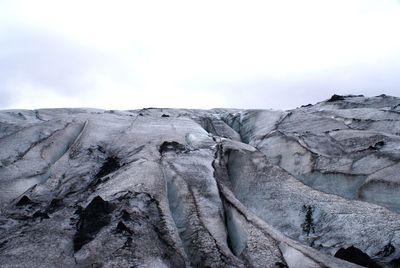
x: 316, y: 186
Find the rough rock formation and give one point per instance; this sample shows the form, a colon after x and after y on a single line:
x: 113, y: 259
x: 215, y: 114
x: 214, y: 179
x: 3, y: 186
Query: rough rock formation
x: 317, y: 186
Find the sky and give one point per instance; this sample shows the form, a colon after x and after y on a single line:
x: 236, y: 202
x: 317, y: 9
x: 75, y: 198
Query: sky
x: 195, y: 54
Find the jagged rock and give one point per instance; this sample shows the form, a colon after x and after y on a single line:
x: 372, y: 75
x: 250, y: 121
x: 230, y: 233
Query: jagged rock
x: 355, y: 255
x: 94, y: 217
x: 24, y: 201
x: 336, y: 98
x: 202, y: 188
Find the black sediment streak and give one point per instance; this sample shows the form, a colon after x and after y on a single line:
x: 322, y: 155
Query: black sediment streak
x: 91, y: 219
x: 110, y: 165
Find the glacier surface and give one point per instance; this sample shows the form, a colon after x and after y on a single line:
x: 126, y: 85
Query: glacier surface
x: 317, y: 186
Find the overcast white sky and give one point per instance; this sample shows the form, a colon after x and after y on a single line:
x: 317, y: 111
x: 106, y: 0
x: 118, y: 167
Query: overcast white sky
x: 196, y: 54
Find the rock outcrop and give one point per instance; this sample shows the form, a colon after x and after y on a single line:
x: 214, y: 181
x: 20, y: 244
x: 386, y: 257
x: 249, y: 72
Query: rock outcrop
x: 317, y: 186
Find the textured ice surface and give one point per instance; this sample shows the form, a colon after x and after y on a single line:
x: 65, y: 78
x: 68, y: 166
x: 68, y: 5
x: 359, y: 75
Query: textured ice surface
x: 201, y: 188
x: 348, y: 139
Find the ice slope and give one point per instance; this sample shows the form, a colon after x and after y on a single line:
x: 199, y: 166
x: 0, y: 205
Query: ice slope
x: 202, y: 188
